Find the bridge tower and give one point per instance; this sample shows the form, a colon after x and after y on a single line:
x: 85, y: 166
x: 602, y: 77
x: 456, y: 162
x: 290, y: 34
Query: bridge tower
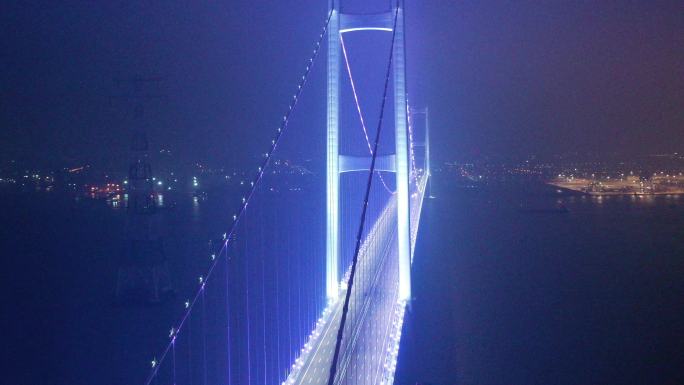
x: 425, y: 143
x: 339, y: 163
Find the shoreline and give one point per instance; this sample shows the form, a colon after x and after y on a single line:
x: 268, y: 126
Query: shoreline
x: 616, y: 193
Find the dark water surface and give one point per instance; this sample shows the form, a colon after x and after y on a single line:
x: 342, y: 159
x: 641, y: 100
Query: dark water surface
x: 511, y: 296
x: 502, y: 295
x: 60, y: 255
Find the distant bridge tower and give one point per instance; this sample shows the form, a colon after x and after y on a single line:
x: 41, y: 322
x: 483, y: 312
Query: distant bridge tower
x: 425, y: 143
x: 338, y: 163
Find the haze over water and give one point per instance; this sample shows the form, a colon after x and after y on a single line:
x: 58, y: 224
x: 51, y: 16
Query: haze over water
x: 501, y: 295
x: 509, y: 296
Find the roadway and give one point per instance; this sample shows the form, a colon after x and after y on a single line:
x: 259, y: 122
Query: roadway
x: 370, y: 328
x: 369, y: 320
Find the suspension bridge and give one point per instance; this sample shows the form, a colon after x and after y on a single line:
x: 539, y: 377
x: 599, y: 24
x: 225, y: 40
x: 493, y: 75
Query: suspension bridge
x: 311, y: 278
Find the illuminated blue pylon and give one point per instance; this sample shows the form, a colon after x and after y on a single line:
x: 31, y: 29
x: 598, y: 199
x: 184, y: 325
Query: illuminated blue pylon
x: 339, y: 163
x: 426, y: 142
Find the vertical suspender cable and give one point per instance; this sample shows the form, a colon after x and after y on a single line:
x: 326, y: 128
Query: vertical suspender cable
x: 289, y: 300
x: 189, y: 353
x: 277, y: 305
x: 173, y: 352
x: 290, y: 344
x: 228, y: 317
x: 299, y: 293
x: 247, y: 307
x: 204, y: 336
x: 263, y: 287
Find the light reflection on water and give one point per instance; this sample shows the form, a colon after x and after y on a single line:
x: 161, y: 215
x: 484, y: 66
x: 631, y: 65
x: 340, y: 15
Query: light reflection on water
x: 121, y: 201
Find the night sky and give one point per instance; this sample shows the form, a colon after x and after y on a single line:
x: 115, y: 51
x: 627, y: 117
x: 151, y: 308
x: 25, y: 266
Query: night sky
x: 500, y: 78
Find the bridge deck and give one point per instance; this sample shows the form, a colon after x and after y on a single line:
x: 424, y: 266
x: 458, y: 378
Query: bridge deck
x: 370, y: 314
x: 374, y: 319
